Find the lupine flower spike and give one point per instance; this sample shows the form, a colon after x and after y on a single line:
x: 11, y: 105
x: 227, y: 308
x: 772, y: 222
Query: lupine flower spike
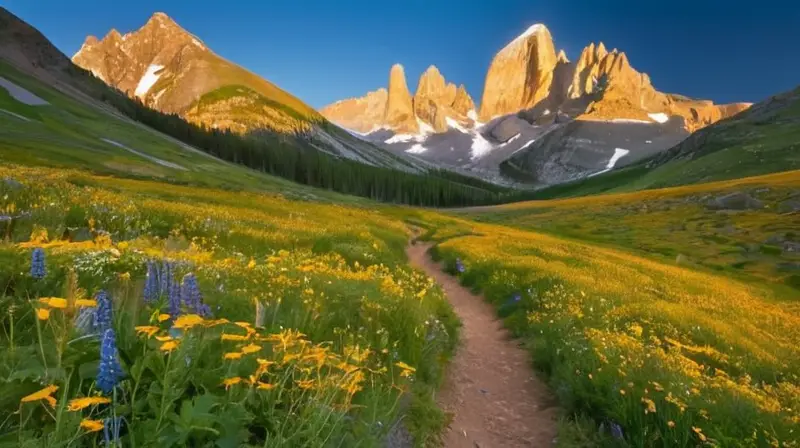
x: 38, y: 268
x: 103, y: 314
x: 192, y: 298
x: 110, y: 371
x: 460, y: 266
x: 151, y: 283
x: 165, y: 278
x: 174, y: 299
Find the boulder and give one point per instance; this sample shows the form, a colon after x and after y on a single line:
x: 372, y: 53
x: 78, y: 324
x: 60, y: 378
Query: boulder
x: 735, y: 201
x: 791, y: 247
x: 507, y: 129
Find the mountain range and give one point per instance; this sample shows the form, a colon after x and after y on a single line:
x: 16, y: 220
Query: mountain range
x: 542, y: 118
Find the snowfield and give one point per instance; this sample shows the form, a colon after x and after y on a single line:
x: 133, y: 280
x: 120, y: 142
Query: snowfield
x: 148, y: 79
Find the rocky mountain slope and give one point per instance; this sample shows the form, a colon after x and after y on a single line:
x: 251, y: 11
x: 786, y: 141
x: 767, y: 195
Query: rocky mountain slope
x: 761, y: 140
x: 173, y: 71
x: 559, y: 120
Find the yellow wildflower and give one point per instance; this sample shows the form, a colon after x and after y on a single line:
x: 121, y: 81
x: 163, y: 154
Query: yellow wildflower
x: 43, y: 394
x: 233, y: 337
x: 699, y: 433
x: 54, y: 302
x: 650, y: 405
x: 233, y: 355
x: 305, y: 384
x: 164, y: 338
x: 169, y: 346
x: 264, y: 386
x: 87, y: 303
x: 163, y: 317
x: 148, y: 330
x: 125, y: 276
x: 42, y: 313
x: 92, y: 425
x: 187, y: 321
x: 231, y: 381
x: 252, y: 348
x: 252, y: 264
x: 407, y: 369
x: 671, y: 424
x: 215, y: 322
x: 81, y: 403
x: 622, y: 391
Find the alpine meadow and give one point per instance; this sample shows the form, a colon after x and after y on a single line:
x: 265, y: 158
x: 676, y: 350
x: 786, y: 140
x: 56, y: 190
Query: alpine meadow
x: 192, y: 256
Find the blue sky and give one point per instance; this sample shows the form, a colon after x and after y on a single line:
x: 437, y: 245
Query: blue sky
x: 322, y: 50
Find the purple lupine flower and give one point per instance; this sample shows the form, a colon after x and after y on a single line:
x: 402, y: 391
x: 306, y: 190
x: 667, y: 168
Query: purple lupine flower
x: 460, y: 266
x: 38, y: 268
x: 174, y: 299
x: 110, y: 371
x: 111, y: 427
x: 103, y: 312
x: 166, y: 278
x: 616, y: 431
x: 190, y: 293
x: 151, y: 284
x: 516, y: 297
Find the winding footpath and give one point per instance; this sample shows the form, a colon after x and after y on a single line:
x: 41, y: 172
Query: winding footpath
x: 491, y: 391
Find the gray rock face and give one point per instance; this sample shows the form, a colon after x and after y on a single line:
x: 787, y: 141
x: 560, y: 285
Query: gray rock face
x: 507, y: 129
x: 735, y: 201
x: 583, y: 147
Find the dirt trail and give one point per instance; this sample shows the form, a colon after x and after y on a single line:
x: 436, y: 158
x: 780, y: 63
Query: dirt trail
x: 490, y: 386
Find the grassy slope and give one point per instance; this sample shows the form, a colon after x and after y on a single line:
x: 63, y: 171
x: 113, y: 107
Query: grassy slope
x: 67, y: 133
x: 675, y: 224
x: 618, y: 332
x: 761, y: 140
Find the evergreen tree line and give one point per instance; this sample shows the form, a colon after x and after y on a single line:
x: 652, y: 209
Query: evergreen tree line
x: 284, y: 156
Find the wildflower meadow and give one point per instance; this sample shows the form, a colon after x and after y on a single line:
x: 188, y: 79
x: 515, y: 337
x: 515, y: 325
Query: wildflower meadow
x: 146, y: 314
x: 654, y: 354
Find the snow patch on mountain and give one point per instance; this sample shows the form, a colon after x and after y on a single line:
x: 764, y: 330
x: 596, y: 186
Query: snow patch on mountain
x: 416, y: 149
x: 425, y: 128
x: 480, y: 146
x: 612, y: 162
x: 630, y: 120
x: 456, y: 125
x: 659, y: 117
x: 400, y: 138
x: 148, y: 79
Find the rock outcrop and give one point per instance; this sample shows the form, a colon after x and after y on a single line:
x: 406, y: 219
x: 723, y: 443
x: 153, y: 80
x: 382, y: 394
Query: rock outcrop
x: 434, y: 101
x: 615, y: 90
x: 521, y: 74
x: 364, y: 114
x: 399, y: 104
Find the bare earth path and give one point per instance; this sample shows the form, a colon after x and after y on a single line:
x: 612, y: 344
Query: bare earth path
x: 490, y: 387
